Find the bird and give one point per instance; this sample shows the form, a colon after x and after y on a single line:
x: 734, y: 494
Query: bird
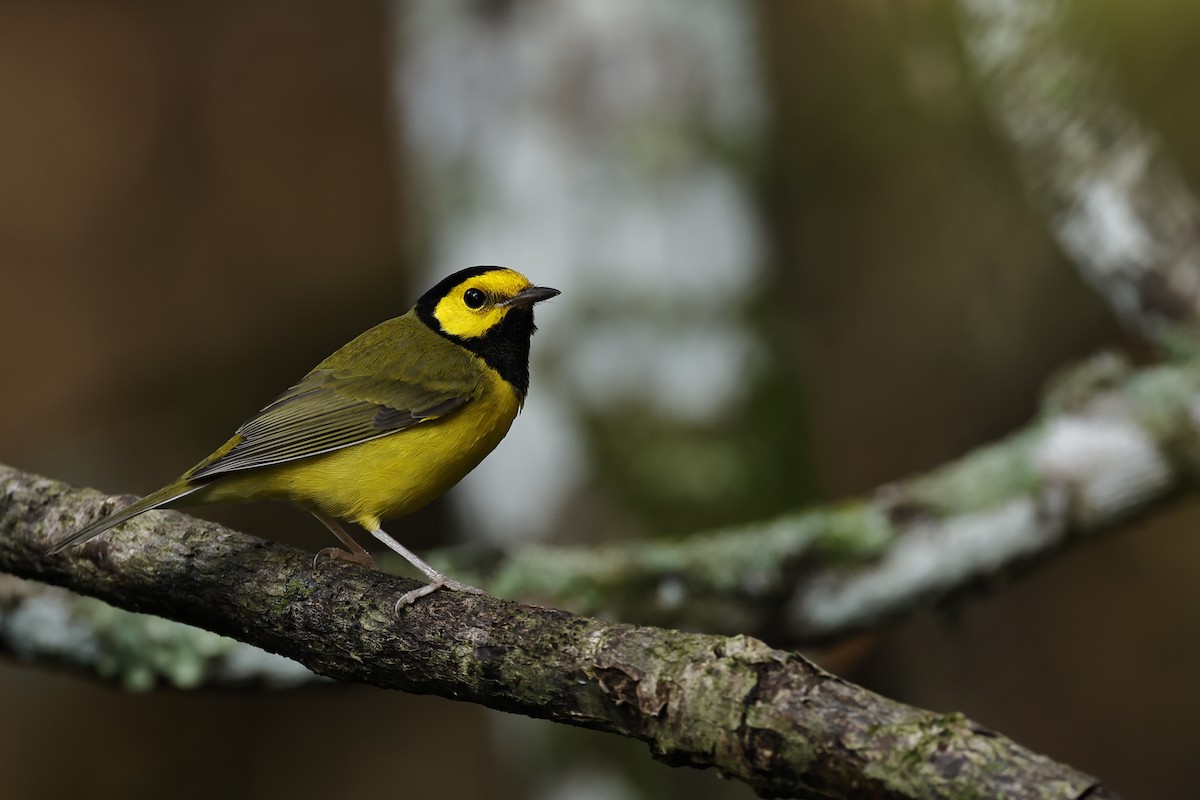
x: 382, y: 426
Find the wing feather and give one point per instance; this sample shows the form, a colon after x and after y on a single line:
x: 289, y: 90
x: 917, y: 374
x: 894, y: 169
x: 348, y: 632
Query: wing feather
x: 389, y: 379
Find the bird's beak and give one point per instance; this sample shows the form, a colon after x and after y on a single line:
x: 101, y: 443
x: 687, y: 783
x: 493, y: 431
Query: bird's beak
x: 534, y: 294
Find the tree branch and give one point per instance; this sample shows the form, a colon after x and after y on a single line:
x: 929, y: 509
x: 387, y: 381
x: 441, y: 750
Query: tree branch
x: 51, y: 626
x: 1111, y: 443
x: 1115, y: 202
x: 768, y: 717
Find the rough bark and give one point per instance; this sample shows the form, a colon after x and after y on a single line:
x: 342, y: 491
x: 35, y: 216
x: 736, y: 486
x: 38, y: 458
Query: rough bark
x: 767, y: 717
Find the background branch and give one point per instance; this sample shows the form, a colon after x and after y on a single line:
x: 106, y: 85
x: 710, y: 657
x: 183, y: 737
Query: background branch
x: 1111, y: 442
x: 1112, y: 198
x: 767, y: 717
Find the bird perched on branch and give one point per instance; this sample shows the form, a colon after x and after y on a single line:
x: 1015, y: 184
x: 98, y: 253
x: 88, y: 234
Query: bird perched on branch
x: 382, y: 426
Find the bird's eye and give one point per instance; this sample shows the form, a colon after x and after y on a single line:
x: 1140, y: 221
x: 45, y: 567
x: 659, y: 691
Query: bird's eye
x: 474, y: 298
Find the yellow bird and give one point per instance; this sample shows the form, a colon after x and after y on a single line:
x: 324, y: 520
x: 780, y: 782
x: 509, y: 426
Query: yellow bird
x: 382, y: 426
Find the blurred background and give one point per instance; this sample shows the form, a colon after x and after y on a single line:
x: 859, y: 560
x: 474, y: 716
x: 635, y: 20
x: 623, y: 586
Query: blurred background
x: 797, y: 259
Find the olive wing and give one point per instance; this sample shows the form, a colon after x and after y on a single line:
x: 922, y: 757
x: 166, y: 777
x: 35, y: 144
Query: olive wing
x: 391, y: 378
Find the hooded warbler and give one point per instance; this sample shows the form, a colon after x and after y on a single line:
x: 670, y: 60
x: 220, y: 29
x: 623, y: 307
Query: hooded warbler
x: 382, y: 426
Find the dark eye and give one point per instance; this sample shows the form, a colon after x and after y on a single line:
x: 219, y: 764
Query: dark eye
x: 474, y: 298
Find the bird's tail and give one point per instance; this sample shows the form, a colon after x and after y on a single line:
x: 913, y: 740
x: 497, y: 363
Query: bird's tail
x: 151, y: 501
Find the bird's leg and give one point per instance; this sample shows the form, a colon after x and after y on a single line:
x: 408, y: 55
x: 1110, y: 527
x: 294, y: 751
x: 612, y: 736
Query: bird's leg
x: 354, y: 551
x: 437, y: 580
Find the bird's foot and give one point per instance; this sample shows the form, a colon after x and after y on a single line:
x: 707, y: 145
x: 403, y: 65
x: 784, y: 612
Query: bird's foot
x: 438, y: 581
x: 363, y: 559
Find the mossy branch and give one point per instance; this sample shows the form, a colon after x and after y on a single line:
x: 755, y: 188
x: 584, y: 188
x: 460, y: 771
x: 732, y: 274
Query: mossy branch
x: 767, y: 717
x: 1111, y: 443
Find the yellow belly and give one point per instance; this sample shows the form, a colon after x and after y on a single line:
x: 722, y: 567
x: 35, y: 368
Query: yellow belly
x: 386, y: 477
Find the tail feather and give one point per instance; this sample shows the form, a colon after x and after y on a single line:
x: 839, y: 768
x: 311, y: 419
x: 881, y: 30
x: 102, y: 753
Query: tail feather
x: 149, y: 502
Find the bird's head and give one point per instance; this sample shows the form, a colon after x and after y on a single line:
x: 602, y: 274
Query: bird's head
x: 481, y: 302
x: 489, y: 311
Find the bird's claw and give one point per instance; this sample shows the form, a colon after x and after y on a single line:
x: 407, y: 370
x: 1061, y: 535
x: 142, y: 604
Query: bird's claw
x: 439, y: 582
x: 338, y: 554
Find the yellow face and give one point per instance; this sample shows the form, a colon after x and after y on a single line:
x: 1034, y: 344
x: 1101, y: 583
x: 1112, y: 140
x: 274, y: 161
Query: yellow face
x: 478, y: 304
